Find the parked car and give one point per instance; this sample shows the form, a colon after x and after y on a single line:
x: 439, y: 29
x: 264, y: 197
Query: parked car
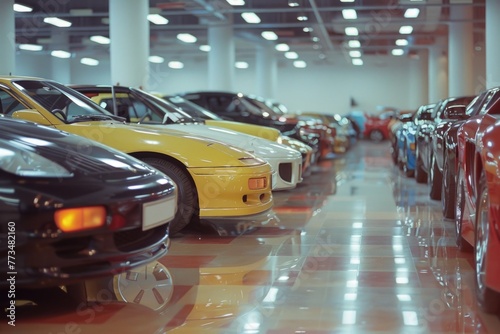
x: 73, y: 209
x: 376, y: 127
x: 450, y: 155
x: 395, y: 133
x: 266, y: 132
x: 213, y: 179
x: 140, y: 107
x: 478, y: 185
x: 424, y: 152
x: 243, y: 108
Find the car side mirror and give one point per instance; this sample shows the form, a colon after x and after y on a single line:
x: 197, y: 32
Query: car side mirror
x: 454, y: 112
x: 31, y: 115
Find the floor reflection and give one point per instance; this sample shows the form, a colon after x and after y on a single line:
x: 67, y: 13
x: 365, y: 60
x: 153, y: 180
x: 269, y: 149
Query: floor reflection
x: 356, y: 248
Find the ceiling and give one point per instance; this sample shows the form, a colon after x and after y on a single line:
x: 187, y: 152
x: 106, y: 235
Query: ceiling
x: 378, y: 22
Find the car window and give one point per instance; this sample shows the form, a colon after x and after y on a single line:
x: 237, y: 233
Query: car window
x: 490, y: 99
x: 8, y: 104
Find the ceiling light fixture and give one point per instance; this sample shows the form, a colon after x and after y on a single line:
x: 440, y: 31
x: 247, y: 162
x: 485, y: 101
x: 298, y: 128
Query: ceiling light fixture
x: 175, y: 64
x: 282, y: 47
x: 355, y: 54
x: 354, y: 44
x: 22, y: 8
x: 186, y: 38
x: 308, y: 29
x: 241, y: 64
x: 205, y: 48
x: 401, y: 42
x: 293, y: 3
x: 60, y: 54
x: 57, y: 22
x: 299, y: 64
x: 349, y: 14
x: 351, y: 31
x: 357, y: 61
x: 398, y: 52
x: 89, y: 61
x: 269, y: 35
x: 156, y: 59
x: 291, y: 55
x: 405, y: 30
x: 236, y: 2
x: 346, y: 0
x: 412, y: 13
x: 100, y: 39
x: 250, y: 17
x: 157, y: 19
x: 302, y: 18
x: 30, y: 47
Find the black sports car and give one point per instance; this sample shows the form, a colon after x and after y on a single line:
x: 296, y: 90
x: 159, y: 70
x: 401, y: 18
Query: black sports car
x: 73, y: 209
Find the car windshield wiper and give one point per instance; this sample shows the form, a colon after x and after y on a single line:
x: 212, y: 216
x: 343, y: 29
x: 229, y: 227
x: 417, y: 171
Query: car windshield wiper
x: 96, y: 117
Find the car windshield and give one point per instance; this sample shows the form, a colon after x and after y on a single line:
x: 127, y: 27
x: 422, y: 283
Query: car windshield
x: 263, y: 108
x: 191, y: 108
x: 64, y: 102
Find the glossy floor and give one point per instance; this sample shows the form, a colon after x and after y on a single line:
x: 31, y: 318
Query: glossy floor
x: 356, y: 248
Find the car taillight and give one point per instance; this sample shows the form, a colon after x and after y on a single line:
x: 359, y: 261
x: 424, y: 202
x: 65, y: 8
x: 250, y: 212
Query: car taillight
x: 78, y: 219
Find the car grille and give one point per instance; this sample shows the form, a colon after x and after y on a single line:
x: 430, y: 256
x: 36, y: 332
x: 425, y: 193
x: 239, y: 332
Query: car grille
x: 131, y: 240
x: 285, y: 170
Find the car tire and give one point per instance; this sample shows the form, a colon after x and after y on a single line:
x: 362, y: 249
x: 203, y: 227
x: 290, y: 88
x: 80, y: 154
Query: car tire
x: 448, y: 188
x: 436, y: 179
x: 488, y: 299
x: 462, y: 244
x: 187, y: 198
x: 420, y: 173
x: 376, y: 135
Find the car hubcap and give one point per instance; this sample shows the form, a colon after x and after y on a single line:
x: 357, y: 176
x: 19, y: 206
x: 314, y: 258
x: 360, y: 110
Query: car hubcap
x: 482, y: 240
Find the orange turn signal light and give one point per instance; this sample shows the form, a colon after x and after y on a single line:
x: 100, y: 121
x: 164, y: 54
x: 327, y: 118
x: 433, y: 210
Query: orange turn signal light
x: 78, y: 219
x: 257, y: 183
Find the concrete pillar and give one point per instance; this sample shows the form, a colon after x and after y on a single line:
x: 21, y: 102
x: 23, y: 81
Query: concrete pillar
x: 129, y: 34
x: 438, y: 71
x: 61, y: 67
x: 7, y: 38
x: 419, y: 79
x: 267, y: 72
x: 221, y: 57
x: 461, y: 51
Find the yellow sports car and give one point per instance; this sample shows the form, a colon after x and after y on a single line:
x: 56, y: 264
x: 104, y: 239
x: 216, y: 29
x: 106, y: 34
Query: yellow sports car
x: 213, y: 179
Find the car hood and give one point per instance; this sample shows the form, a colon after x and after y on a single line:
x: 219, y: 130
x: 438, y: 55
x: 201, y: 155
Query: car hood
x: 262, y: 148
x: 265, y: 132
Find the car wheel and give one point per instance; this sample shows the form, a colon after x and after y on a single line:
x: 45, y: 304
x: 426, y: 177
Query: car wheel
x: 420, y: 174
x: 448, y: 189
x: 462, y: 244
x: 408, y: 172
x: 487, y: 298
x: 187, y: 198
x: 376, y: 135
x: 435, y: 180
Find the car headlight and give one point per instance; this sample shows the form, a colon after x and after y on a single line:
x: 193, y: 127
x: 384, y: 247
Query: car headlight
x: 22, y: 162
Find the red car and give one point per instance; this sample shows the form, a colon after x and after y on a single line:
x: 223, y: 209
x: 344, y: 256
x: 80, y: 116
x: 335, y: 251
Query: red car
x: 478, y: 196
x: 377, y: 127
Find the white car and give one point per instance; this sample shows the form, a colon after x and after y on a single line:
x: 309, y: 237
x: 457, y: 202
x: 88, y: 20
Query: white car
x: 138, y: 106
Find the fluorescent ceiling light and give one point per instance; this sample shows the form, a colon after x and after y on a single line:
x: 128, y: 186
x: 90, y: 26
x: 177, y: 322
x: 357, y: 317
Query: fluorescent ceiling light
x: 22, y: 8
x: 236, y: 2
x: 412, y: 13
x: 89, y: 61
x: 354, y: 44
x: 269, y: 35
x: 406, y: 30
x: 293, y: 3
x: 401, y: 42
x: 156, y: 59
x: 299, y: 64
x: 302, y: 18
x: 291, y: 55
x: 241, y: 64
x: 30, y: 47
x: 346, y: 0
x: 60, y: 54
x: 282, y: 47
x: 355, y: 54
x: 250, y: 17
x: 307, y: 29
x: 205, y: 48
x: 186, y: 38
x: 157, y: 19
x: 357, y: 61
x: 398, y: 52
x: 57, y: 22
x: 349, y: 14
x: 100, y: 39
x: 175, y: 64
x: 351, y: 31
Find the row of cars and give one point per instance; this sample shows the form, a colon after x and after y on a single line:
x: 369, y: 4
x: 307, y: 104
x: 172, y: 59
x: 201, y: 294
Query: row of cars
x: 453, y: 145
x: 96, y: 178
